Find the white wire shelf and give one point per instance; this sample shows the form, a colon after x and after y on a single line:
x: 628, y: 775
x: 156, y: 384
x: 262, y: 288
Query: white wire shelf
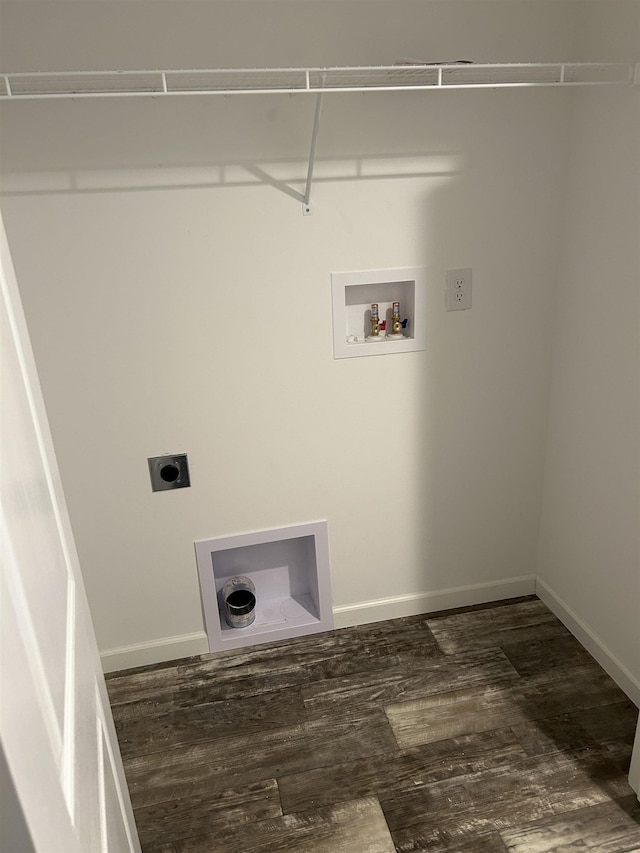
x: 399, y: 77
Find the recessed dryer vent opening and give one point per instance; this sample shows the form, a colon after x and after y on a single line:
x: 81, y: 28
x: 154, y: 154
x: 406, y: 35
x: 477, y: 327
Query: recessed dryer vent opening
x: 239, y: 601
x: 286, y: 569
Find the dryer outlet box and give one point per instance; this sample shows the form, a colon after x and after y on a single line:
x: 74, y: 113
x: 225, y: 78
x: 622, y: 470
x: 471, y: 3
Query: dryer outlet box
x: 169, y: 472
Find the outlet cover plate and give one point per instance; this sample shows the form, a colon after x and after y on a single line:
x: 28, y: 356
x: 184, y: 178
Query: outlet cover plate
x: 458, y: 289
x: 169, y: 472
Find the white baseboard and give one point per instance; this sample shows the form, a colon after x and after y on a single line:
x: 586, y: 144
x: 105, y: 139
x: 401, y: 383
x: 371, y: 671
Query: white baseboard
x: 592, y: 643
x: 634, y: 769
x: 362, y: 612
x: 414, y: 604
x: 156, y: 651
x: 187, y: 645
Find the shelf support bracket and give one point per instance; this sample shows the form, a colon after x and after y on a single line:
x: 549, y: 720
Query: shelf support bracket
x: 306, y: 203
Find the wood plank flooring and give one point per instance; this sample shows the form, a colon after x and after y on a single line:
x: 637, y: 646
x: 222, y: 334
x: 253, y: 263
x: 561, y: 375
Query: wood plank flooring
x: 483, y: 730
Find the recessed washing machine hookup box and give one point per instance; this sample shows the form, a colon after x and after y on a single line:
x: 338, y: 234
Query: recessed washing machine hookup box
x: 289, y: 569
x: 353, y: 295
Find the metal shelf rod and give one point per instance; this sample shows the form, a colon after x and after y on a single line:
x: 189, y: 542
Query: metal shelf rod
x: 32, y: 85
x: 312, y: 154
x: 160, y: 93
x: 403, y: 77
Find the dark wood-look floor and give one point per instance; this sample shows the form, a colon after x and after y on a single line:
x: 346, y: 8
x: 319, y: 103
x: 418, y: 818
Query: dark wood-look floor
x: 483, y: 730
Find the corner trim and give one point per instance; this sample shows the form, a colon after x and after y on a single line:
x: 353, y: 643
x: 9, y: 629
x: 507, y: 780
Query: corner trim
x: 591, y: 642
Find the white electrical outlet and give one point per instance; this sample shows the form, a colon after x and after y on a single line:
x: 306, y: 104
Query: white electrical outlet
x: 458, y: 289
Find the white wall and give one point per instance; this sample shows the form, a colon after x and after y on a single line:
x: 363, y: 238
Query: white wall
x: 177, y: 303
x: 263, y: 33
x: 589, y: 561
